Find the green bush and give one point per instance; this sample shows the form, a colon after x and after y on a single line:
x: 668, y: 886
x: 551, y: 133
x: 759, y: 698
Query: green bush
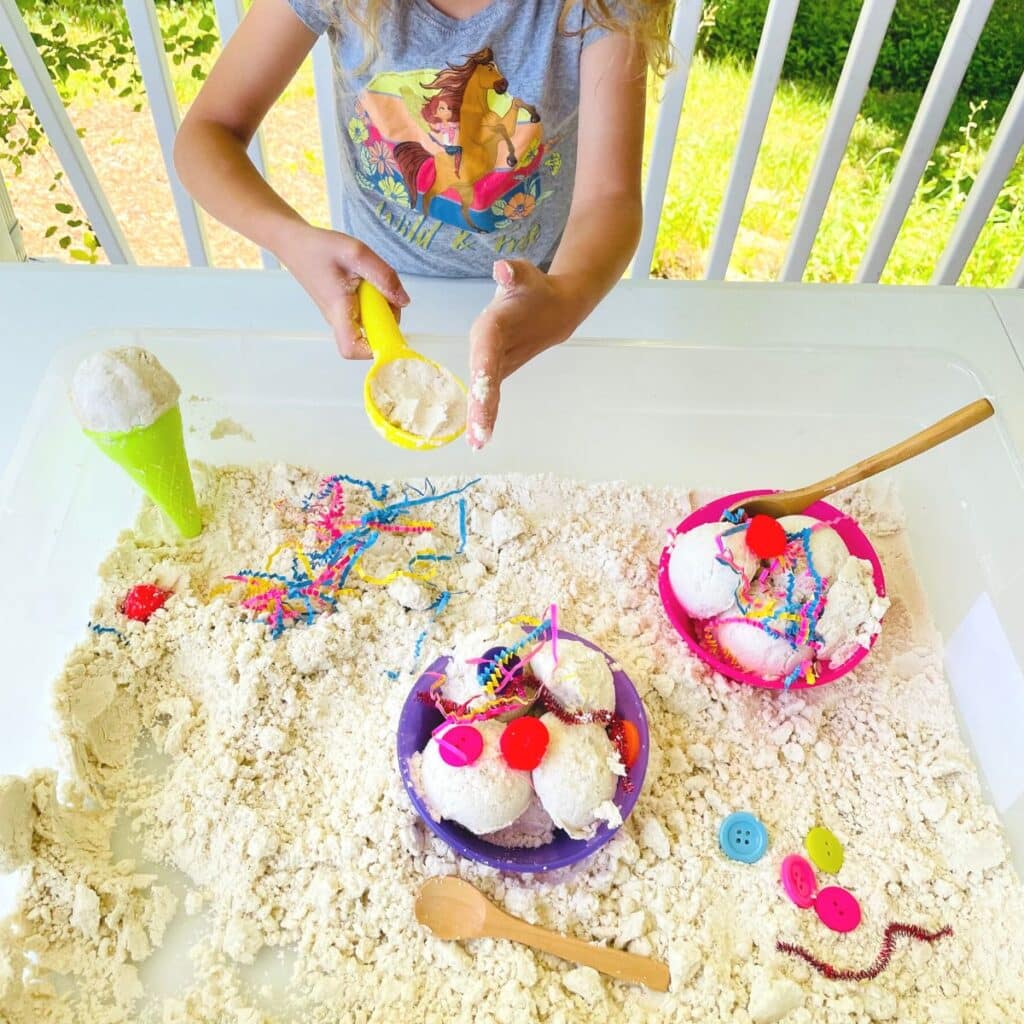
x: 105, y: 14
x: 823, y: 29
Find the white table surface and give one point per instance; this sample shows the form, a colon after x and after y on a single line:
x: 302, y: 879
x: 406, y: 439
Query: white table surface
x: 43, y: 307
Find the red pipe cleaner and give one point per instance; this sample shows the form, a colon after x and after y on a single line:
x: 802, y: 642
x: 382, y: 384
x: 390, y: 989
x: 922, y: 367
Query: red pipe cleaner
x: 881, y: 961
x: 551, y: 704
x: 605, y: 718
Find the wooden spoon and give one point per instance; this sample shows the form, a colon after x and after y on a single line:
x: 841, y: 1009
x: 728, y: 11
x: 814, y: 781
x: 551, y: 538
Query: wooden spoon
x: 454, y: 909
x: 788, y: 503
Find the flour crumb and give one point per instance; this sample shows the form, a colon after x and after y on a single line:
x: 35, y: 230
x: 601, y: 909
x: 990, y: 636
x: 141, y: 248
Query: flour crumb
x: 243, y: 939
x: 793, y: 753
x: 700, y: 754
x: 85, y: 911
x: 17, y: 817
x: 608, y: 812
x: 586, y: 983
x: 772, y: 999
x: 684, y: 961
x: 654, y: 838
x: 506, y: 527
x: 481, y: 387
x: 880, y: 1004
x: 308, y: 651
x: 411, y: 595
x: 229, y: 428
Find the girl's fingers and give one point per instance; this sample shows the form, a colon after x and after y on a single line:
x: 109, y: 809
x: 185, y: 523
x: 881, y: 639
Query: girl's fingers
x: 515, y: 278
x: 362, y: 260
x: 504, y: 274
x: 485, y: 346
x: 343, y: 317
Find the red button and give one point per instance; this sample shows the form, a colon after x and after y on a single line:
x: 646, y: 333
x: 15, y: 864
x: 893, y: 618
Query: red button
x: 798, y: 880
x: 837, y: 909
x: 460, y: 746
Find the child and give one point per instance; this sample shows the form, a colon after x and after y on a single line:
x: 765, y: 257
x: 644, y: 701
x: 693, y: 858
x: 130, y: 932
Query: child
x: 544, y: 194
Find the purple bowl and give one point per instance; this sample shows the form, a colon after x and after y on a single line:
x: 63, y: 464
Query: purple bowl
x: 854, y: 539
x: 417, y: 722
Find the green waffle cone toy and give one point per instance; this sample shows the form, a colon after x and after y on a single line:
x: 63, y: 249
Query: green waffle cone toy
x: 127, y: 404
x: 154, y: 457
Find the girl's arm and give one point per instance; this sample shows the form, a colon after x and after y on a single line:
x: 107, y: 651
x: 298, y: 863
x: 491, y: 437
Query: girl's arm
x: 532, y: 311
x: 210, y: 156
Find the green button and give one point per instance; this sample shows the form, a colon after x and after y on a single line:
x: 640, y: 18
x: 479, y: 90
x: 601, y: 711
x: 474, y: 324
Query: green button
x: 824, y: 849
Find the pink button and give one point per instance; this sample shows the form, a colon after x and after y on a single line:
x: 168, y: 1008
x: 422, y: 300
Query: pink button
x: 837, y: 909
x: 460, y: 746
x: 798, y: 880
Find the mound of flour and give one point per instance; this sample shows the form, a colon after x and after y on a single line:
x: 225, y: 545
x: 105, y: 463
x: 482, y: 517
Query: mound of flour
x: 232, y: 798
x: 419, y: 397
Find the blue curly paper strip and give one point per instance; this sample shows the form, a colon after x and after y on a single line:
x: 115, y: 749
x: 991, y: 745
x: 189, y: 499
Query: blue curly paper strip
x: 320, y: 575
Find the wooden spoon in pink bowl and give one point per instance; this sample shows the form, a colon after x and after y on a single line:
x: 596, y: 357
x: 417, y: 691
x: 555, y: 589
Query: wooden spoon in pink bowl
x: 788, y: 503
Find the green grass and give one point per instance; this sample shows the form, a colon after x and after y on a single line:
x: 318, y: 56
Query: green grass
x: 708, y: 131
x: 715, y: 99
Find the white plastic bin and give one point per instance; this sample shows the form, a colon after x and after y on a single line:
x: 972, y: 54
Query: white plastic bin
x: 727, y: 417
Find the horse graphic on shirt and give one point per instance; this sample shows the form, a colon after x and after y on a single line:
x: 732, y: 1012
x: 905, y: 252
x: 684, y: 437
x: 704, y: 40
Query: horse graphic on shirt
x: 488, y: 178
x: 482, y: 132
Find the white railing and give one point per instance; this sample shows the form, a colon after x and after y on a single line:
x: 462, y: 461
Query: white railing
x: 853, y: 84
x: 767, y: 68
x: 960, y: 43
x: 31, y: 72
x: 163, y: 105
x: 936, y: 103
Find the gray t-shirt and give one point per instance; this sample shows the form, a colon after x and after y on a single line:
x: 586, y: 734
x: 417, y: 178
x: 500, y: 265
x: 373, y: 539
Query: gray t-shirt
x: 458, y: 140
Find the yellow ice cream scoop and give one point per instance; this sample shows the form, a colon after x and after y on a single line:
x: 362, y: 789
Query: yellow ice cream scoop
x: 411, y: 400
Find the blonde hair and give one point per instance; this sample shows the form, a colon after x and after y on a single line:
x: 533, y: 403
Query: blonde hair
x: 646, y: 22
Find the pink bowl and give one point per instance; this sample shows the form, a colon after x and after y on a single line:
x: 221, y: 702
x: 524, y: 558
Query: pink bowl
x: 848, y: 530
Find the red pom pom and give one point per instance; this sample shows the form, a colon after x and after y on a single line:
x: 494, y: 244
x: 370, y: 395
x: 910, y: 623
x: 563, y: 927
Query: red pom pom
x: 766, y: 537
x: 142, y: 600
x: 524, y: 743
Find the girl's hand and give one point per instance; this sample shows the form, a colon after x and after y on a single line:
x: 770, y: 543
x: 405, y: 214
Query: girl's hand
x: 330, y: 265
x: 531, y: 311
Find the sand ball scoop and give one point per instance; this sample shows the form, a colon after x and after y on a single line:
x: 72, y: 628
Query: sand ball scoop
x: 453, y: 909
x: 430, y: 394
x: 788, y: 503
x: 127, y: 405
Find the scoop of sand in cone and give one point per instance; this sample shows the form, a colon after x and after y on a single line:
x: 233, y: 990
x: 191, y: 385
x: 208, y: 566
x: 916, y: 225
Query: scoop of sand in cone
x: 127, y: 404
